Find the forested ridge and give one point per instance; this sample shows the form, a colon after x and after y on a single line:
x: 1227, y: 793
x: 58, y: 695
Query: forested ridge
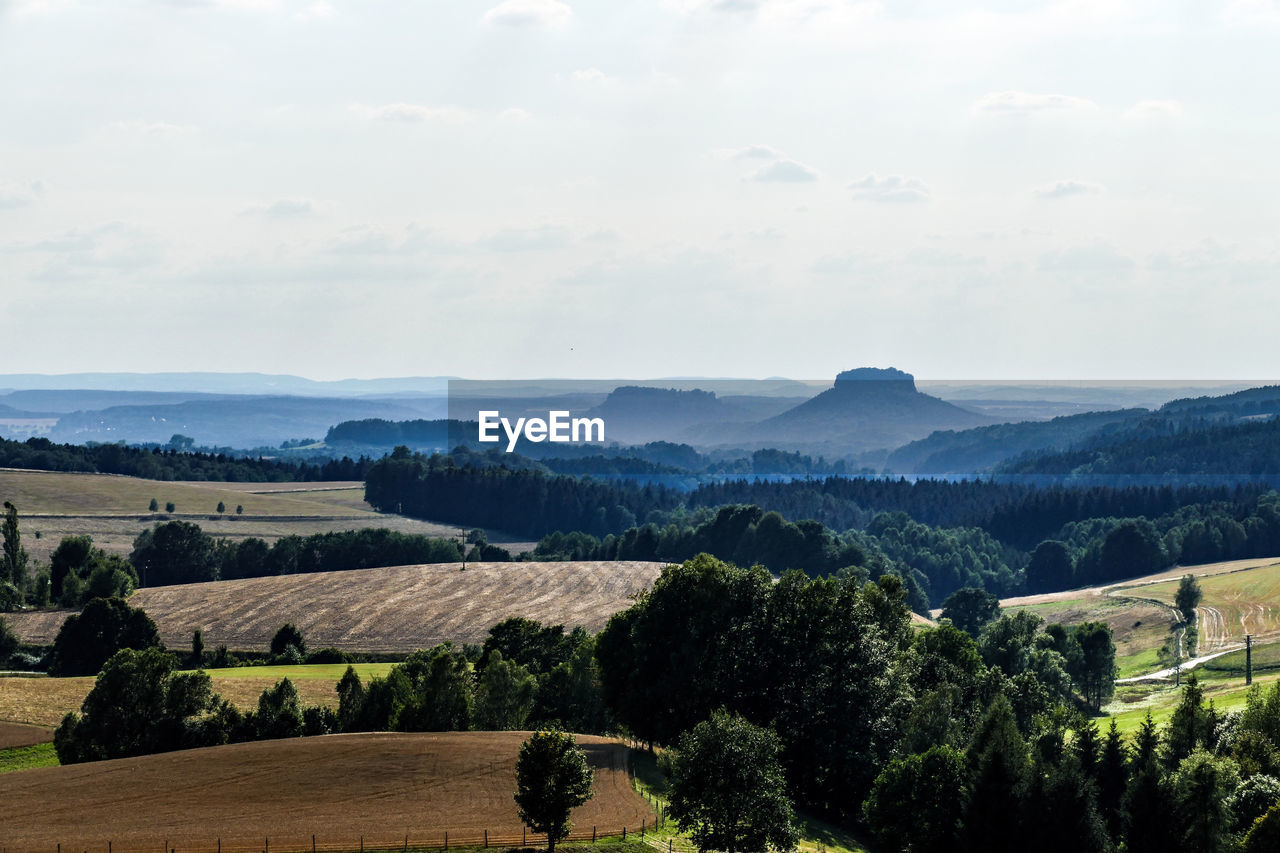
x: 157, y: 463
x: 938, y: 535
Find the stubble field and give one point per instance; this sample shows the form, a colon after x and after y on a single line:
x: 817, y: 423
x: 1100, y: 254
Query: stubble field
x: 388, y: 789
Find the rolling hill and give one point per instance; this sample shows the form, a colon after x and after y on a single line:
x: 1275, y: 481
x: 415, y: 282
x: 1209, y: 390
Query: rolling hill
x: 377, y: 790
x: 398, y: 609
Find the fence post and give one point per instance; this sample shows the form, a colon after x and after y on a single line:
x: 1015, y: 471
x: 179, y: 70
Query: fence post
x: 446, y: 839
x: 313, y: 842
x: 361, y: 845
x: 523, y: 841
x: 593, y: 835
x: 266, y: 844
x: 641, y: 830
x: 486, y: 839
x: 624, y: 833
x: 406, y: 842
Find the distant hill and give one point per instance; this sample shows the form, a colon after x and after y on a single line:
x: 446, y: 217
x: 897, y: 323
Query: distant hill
x: 234, y: 421
x: 1239, y: 449
x: 865, y: 409
x: 638, y: 414
x: 980, y: 449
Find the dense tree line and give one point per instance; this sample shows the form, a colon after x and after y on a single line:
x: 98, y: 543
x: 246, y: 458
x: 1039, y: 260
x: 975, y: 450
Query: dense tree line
x: 526, y: 675
x: 1100, y: 550
x: 1176, y: 451
x: 533, y: 502
x: 1205, y: 782
x: 180, y: 552
x: 523, y: 502
x: 832, y: 666
x: 169, y: 464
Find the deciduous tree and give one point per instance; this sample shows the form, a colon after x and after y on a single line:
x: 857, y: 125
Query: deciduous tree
x: 728, y: 790
x: 552, y: 779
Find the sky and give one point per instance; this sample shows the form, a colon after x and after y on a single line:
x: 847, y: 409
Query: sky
x: 638, y: 188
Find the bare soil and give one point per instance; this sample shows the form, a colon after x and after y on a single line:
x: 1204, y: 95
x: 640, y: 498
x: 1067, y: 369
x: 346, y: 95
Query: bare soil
x: 17, y: 734
x: 378, y: 787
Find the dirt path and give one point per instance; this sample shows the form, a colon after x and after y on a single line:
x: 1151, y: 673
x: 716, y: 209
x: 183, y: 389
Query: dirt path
x: 1187, y: 665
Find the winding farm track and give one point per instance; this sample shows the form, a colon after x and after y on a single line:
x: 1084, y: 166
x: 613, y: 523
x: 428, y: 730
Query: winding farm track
x: 385, y: 788
x: 1223, y: 619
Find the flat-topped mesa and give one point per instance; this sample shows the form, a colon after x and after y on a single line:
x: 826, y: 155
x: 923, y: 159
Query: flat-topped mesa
x: 875, y: 378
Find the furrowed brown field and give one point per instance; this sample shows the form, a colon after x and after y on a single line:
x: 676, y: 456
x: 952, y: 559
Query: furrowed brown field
x: 378, y: 787
x: 16, y: 735
x: 397, y: 609
x: 114, y: 509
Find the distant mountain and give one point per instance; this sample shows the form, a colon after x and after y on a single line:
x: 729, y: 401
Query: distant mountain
x: 227, y: 421
x: 21, y: 414
x: 978, y: 450
x: 1246, y: 448
x: 636, y: 414
x: 1184, y: 436
x: 865, y: 409
x: 61, y: 402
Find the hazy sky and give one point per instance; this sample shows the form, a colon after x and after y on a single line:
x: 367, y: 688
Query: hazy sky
x: 641, y: 187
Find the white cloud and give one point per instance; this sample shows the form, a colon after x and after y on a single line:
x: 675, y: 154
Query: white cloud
x: 1098, y: 257
x: 784, y: 171
x: 515, y: 114
x: 1154, y: 110
x: 285, y: 208
x: 890, y: 188
x: 411, y: 113
x: 1253, y: 12
x: 927, y: 257
x: 316, y: 11
x: 1013, y: 103
x: 152, y: 128
x: 1066, y: 188
x: 529, y: 13
x: 751, y: 152
x: 592, y: 75
x: 13, y: 196
x: 528, y: 239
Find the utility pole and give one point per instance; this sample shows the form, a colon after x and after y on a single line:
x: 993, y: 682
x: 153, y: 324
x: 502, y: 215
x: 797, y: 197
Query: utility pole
x: 1248, y: 659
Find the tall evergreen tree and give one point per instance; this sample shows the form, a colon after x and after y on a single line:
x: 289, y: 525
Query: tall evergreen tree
x: 1000, y: 774
x: 13, y: 566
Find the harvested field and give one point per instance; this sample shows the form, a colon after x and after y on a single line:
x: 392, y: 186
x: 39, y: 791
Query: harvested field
x: 380, y: 786
x: 397, y: 609
x: 17, y: 734
x: 45, y: 701
x: 1235, y: 604
x: 114, y: 509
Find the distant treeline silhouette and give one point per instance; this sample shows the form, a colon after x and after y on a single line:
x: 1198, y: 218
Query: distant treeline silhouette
x: 169, y: 464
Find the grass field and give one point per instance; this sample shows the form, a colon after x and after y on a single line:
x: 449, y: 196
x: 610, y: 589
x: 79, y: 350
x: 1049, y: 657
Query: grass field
x: 1244, y: 602
x: 28, y: 757
x: 377, y: 787
x: 1133, y: 701
x: 114, y: 509
x: 397, y: 609
x: 45, y: 701
x: 1139, y: 627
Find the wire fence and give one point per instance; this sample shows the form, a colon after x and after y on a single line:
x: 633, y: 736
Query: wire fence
x: 320, y: 843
